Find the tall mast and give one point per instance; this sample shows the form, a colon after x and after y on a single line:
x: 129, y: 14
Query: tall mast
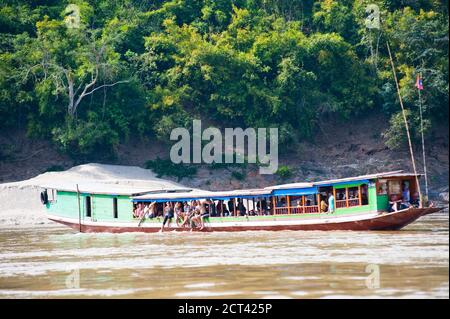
x: 406, y: 123
x: 423, y: 142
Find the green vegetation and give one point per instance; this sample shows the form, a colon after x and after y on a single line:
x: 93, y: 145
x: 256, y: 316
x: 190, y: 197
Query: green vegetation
x: 165, y: 167
x: 140, y: 68
x: 284, y: 172
x: 238, y: 175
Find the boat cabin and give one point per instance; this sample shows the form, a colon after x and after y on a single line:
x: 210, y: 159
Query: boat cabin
x: 355, y: 195
x: 375, y: 192
x: 96, y: 201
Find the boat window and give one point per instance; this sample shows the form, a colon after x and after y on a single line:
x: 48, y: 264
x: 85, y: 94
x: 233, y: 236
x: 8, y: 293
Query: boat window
x: 295, y: 204
x: 394, y: 187
x: 281, y: 205
x: 311, y: 204
x: 88, y: 206
x: 341, y: 198
x: 281, y: 201
x: 364, y: 194
x: 52, y: 193
x: 382, y: 188
x: 295, y: 201
x: 353, y: 196
x: 310, y: 200
x: 340, y: 194
x: 115, y: 207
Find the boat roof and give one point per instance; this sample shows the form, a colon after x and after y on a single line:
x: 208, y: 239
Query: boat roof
x: 158, y: 191
x: 189, y: 195
x: 367, y: 177
x: 304, y: 187
x: 114, y: 189
x: 199, y: 194
x: 291, y: 185
x: 398, y: 173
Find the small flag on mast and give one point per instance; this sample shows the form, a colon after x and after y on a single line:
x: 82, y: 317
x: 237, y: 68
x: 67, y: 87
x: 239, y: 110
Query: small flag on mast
x: 419, y: 83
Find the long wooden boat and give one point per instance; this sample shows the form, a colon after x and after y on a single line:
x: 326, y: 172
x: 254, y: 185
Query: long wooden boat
x: 361, y: 203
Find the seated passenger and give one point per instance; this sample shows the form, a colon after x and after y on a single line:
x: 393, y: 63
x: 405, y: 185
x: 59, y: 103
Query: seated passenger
x: 195, y: 219
x: 187, y: 211
x: 179, y: 214
x: 151, y: 210
x: 186, y: 208
x: 204, y: 214
x: 168, y: 215
x: 242, y: 211
x: 139, y: 211
x: 393, y: 204
x: 323, y: 206
x: 415, y: 200
x: 404, y: 204
x: 281, y: 202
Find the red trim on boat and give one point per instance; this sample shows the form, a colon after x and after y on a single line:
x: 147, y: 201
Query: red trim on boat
x: 383, y: 221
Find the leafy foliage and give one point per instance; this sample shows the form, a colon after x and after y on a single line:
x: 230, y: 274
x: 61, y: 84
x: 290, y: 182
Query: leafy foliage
x: 395, y: 135
x: 165, y: 167
x: 84, y: 140
x: 261, y: 63
x: 284, y: 172
x: 238, y: 175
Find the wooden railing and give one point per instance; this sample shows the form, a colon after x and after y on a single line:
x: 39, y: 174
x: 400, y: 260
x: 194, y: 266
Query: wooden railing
x: 308, y: 209
x: 281, y: 210
x: 353, y: 202
x: 297, y: 210
x: 341, y: 203
x: 347, y: 203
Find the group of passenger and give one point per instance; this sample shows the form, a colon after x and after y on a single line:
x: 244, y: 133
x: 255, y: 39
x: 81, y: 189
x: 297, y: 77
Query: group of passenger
x: 261, y: 208
x: 194, y: 213
x: 404, y: 201
x: 186, y: 214
x: 354, y: 195
x: 327, y: 204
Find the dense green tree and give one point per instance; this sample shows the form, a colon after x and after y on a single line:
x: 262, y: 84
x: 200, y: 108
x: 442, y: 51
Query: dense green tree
x: 143, y: 67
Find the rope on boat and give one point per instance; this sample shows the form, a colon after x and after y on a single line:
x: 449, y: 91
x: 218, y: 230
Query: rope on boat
x: 406, y: 123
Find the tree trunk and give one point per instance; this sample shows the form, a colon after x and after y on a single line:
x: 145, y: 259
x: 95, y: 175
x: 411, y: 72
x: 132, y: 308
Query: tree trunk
x: 70, y: 108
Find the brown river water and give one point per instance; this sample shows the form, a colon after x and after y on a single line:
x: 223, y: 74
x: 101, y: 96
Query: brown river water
x: 56, y: 262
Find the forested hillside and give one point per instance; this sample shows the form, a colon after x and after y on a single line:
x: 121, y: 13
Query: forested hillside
x: 136, y: 68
